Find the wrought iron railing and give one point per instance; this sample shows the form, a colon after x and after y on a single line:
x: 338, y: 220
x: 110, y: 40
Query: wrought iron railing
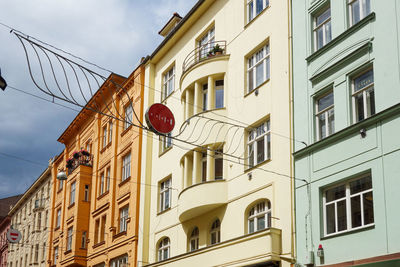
x: 81, y: 160
x: 201, y: 53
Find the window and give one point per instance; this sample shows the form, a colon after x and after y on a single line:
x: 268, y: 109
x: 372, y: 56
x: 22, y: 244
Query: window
x: 121, y: 261
x: 363, y: 96
x: 194, y: 239
x: 101, y: 183
x: 39, y: 221
x: 36, y: 253
x: 258, y: 69
x: 324, y: 116
x: 55, y: 255
x: 58, y: 219
x: 44, y: 251
x: 46, y: 218
x: 103, y: 229
x: 215, y: 233
x: 165, y: 192
x: 254, y: 7
x: 126, y: 166
x: 123, y: 219
x: 72, y: 194
x: 163, y: 249
x: 206, y: 43
x: 358, y: 9
x: 166, y: 142
x: 128, y: 116
x: 348, y: 206
x: 86, y: 193
x: 110, y: 129
x: 204, y: 166
x: 168, y: 83
x: 108, y: 172
x: 205, y: 96
x: 219, y: 94
x: 259, y: 216
x: 322, y: 28
x: 83, y: 240
x: 104, y: 136
x: 60, y: 185
x: 69, y: 239
x: 259, y: 144
x: 219, y: 165
x: 96, y: 231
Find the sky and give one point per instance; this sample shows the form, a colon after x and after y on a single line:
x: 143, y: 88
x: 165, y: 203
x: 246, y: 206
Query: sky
x: 112, y: 34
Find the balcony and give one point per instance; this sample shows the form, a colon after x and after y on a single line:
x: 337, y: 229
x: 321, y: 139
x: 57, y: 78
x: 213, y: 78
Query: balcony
x: 256, y: 249
x: 201, y: 198
x: 82, y: 160
x: 210, y: 55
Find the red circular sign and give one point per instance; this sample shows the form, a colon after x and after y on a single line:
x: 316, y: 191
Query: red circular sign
x: 160, y: 118
x: 13, y: 236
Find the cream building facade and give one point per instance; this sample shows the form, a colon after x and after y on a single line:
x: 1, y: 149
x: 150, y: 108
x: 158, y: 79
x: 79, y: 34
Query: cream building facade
x: 218, y: 191
x: 30, y: 215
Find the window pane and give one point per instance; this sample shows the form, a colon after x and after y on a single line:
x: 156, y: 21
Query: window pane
x: 324, y: 16
x: 251, y: 80
x: 320, y: 38
x: 328, y: 32
x: 360, y: 185
x: 331, y: 121
x: 267, y: 70
x: 260, y: 150
x: 250, y: 7
x: 355, y: 12
x: 259, y: 6
x: 368, y: 7
x: 341, y: 215
x: 363, y: 80
x: 368, y: 208
x: 335, y: 193
x: 251, y: 155
x: 204, y: 171
x: 325, y: 102
x: 259, y: 74
x: 218, y: 168
x: 359, y: 107
x: 260, y: 223
x: 268, y: 146
x: 330, y: 219
x: 322, y: 127
x: 355, y: 212
x: 219, y: 98
x: 167, y: 199
x: 370, y: 101
x: 251, y: 226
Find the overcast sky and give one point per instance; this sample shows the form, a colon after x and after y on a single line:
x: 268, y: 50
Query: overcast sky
x: 113, y: 34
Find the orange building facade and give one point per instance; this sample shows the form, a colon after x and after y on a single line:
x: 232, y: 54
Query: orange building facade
x: 94, y: 212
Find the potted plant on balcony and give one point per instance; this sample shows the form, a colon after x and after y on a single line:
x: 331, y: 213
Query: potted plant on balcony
x: 84, y: 152
x: 70, y: 163
x: 76, y: 155
x: 217, y: 50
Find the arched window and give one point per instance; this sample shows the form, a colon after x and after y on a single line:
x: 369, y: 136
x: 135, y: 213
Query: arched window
x: 194, y: 239
x: 215, y: 233
x: 259, y: 216
x: 163, y: 249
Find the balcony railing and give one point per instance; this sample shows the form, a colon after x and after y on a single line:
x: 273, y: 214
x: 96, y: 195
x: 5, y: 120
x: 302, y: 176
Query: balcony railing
x: 81, y: 160
x: 201, y: 53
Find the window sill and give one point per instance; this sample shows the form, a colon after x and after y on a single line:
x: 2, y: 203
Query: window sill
x: 258, y: 165
x: 164, y: 211
x: 124, y: 181
x: 257, y: 88
x: 105, y: 148
x: 57, y: 228
x: 102, y: 195
x: 165, y: 151
x: 67, y: 252
x: 119, y: 234
x: 351, y: 231
x: 58, y: 191
x: 126, y: 130
x: 98, y: 244
x: 71, y: 205
x: 258, y: 15
x: 164, y: 101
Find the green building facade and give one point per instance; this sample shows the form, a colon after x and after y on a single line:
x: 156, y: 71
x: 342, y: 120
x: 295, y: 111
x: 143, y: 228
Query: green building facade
x: 346, y: 95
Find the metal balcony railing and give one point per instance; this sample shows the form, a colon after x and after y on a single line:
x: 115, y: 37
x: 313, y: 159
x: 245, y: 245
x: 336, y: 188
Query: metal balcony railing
x: 201, y: 53
x: 81, y: 160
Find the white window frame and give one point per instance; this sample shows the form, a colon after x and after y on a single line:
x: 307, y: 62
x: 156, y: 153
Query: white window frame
x: 69, y: 238
x: 362, y: 9
x: 219, y: 156
x: 86, y: 193
x: 324, y: 26
x: 165, y: 194
x: 194, y: 239
x: 72, y: 193
x: 215, y: 232
x: 102, y: 179
x: 367, y: 112
x: 325, y: 112
x: 166, y: 142
x: 253, y: 138
x: 347, y: 199
x: 219, y: 88
x: 205, y: 96
x: 121, y: 261
x: 206, y: 43
x: 168, y: 82
x: 58, y: 220
x: 163, y: 249
x: 104, y: 136
x: 108, y: 178
x: 261, y: 210
x: 128, y: 113
x: 251, y: 8
x: 126, y: 166
x: 55, y: 255
x: 123, y: 219
x: 83, y: 239
x: 261, y: 56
